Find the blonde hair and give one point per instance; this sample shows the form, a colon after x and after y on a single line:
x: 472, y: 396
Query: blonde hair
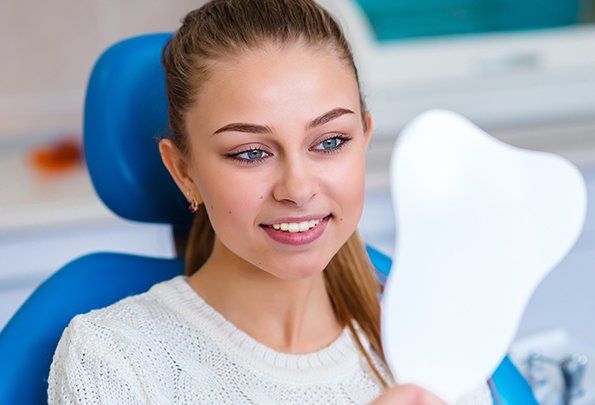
x: 224, y: 28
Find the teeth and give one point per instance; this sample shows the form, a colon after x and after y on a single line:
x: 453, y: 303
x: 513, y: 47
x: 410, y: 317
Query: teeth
x: 295, y: 226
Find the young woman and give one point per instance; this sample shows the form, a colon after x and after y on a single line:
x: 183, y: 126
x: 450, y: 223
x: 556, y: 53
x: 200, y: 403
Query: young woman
x: 279, y: 302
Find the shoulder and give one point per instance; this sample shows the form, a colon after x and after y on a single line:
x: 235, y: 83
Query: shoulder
x: 106, y: 329
x: 92, y: 361
x: 120, y: 327
x: 105, y: 351
x: 135, y: 313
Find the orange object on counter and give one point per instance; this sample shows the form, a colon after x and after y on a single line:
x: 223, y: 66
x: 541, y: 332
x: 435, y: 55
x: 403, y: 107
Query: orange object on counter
x: 60, y: 155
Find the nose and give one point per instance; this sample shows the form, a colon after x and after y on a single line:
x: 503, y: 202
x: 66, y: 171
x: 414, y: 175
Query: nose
x: 297, y: 183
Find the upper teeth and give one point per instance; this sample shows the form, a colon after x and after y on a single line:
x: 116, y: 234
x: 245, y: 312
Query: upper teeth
x: 297, y: 226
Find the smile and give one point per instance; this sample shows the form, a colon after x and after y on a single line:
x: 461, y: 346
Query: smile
x: 294, y: 233
x: 296, y: 226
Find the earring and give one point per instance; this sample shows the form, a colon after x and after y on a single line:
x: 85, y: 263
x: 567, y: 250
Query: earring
x: 193, y: 206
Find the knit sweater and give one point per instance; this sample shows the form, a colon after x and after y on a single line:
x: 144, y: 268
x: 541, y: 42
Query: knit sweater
x: 169, y: 346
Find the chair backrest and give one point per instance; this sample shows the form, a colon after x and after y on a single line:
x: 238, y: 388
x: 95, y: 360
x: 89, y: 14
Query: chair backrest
x: 125, y: 114
x: 125, y: 109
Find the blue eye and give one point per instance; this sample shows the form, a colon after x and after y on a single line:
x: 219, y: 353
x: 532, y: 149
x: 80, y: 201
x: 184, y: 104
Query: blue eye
x: 333, y: 144
x: 251, y: 156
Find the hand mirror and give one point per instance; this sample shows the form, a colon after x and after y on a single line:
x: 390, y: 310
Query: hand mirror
x: 479, y: 224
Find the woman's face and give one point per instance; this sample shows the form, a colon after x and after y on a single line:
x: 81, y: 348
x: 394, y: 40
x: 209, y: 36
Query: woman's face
x: 276, y: 135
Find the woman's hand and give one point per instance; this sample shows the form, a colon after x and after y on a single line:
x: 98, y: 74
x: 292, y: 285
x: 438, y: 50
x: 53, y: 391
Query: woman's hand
x: 407, y: 394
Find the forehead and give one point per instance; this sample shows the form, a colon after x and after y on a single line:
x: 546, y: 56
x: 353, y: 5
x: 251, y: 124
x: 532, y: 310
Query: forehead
x: 288, y: 83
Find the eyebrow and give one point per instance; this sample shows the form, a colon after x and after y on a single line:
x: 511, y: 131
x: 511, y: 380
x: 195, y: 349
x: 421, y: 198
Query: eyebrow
x: 262, y: 129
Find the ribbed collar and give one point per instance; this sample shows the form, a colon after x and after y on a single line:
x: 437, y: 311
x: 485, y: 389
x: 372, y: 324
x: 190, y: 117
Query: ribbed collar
x: 327, y: 364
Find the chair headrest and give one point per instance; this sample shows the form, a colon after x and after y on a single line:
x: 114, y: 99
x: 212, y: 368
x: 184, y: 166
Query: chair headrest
x: 125, y: 113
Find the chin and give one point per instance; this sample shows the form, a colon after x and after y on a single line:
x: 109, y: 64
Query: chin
x: 293, y: 273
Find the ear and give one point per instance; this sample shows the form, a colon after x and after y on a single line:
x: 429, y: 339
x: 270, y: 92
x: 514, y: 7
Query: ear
x: 369, y: 128
x: 179, y: 168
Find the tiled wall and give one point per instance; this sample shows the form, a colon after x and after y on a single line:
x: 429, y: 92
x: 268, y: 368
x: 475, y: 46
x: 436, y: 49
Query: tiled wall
x: 47, y: 50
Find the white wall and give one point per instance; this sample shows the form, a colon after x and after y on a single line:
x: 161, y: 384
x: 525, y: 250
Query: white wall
x: 47, y: 50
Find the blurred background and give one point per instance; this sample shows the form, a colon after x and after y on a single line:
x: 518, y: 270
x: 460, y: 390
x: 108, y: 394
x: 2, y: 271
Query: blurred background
x: 524, y: 70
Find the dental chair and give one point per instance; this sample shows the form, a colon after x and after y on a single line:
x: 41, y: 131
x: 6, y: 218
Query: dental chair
x: 125, y: 108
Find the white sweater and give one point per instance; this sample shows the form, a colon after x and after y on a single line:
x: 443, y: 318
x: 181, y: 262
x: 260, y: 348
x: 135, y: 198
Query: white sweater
x: 169, y: 346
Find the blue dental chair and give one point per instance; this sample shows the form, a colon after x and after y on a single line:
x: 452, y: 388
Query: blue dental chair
x: 125, y: 108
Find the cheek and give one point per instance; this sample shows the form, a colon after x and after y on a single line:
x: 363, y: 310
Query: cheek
x: 232, y: 197
x: 346, y: 187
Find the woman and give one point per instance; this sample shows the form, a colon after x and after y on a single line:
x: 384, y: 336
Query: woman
x: 278, y: 303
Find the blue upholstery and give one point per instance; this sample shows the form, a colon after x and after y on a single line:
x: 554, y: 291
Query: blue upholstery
x: 509, y: 387
x: 124, y: 111
x: 28, y: 341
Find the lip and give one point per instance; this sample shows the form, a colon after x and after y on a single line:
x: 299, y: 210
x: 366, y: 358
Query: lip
x: 297, y: 219
x: 298, y: 238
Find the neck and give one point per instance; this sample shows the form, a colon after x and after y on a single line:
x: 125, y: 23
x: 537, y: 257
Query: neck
x: 291, y: 316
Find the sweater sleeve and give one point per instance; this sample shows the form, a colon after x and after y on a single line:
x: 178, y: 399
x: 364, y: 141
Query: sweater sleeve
x: 90, y: 366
